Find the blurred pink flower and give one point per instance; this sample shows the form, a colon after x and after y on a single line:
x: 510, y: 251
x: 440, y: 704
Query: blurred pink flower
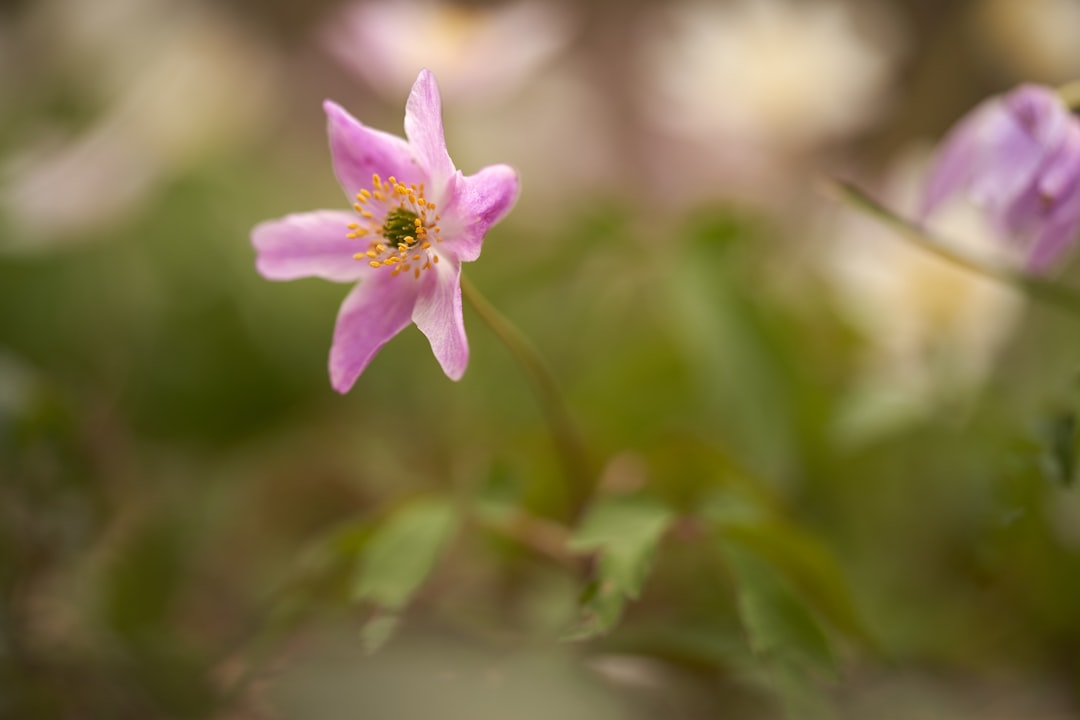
x: 1017, y: 157
x: 416, y: 218
x: 477, y: 52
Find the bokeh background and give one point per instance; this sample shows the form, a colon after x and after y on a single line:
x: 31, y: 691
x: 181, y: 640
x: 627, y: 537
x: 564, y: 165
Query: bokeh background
x: 862, y: 456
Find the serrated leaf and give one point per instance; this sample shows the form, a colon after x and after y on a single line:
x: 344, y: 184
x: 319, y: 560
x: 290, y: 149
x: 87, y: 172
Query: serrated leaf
x: 624, y: 533
x: 777, y: 623
x: 807, y: 565
x: 399, y: 556
x: 783, y: 633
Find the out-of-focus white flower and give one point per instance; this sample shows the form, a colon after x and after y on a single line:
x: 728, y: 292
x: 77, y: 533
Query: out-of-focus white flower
x: 178, y: 85
x: 933, y: 328
x: 476, y: 52
x: 769, y: 72
x: 1037, y: 38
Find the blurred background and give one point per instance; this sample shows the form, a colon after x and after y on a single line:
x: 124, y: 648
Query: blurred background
x: 833, y: 475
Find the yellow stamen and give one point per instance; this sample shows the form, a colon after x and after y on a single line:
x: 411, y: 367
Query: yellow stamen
x: 387, y: 210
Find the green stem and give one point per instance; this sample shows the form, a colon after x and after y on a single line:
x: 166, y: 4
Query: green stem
x: 572, y: 453
x: 1051, y: 293
x: 1070, y: 94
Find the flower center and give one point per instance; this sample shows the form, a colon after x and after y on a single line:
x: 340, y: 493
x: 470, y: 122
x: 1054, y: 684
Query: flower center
x: 400, y: 226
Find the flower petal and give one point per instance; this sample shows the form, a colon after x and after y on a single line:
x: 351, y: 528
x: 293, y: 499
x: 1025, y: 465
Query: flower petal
x: 424, y: 128
x: 375, y: 311
x: 1061, y: 173
x: 480, y: 201
x: 996, y: 151
x: 358, y: 152
x: 438, y: 314
x: 954, y: 162
x: 1007, y: 161
x: 1054, y: 238
x: 1062, y: 188
x: 307, y: 245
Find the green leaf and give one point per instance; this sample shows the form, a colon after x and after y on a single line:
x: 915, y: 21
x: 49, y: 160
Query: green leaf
x: 778, y: 625
x: 624, y: 533
x: 808, y: 566
x: 398, y: 558
x: 783, y: 634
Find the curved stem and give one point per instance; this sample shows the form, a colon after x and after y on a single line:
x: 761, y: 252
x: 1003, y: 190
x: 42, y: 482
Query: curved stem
x: 568, y: 442
x: 1051, y: 293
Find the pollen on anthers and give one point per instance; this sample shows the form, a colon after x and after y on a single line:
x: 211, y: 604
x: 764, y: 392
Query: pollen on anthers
x: 399, y: 224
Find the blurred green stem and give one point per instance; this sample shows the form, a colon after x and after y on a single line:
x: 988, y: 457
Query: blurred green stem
x: 1036, y: 288
x: 1070, y: 94
x: 544, y: 537
x: 568, y: 442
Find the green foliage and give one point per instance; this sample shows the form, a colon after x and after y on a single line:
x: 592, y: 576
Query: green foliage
x: 398, y: 558
x: 184, y: 501
x: 808, y: 566
x: 623, y: 533
x: 783, y: 633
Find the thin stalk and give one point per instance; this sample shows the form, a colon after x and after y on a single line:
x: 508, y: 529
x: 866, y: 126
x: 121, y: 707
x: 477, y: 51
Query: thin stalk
x: 568, y: 442
x: 1046, y: 291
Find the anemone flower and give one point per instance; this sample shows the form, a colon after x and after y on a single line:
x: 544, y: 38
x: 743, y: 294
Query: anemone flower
x: 1017, y: 157
x: 415, y: 218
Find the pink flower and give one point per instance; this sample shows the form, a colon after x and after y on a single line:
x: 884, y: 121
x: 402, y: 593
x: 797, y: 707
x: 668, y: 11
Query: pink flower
x: 415, y: 219
x: 1018, y: 158
x: 481, y: 52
